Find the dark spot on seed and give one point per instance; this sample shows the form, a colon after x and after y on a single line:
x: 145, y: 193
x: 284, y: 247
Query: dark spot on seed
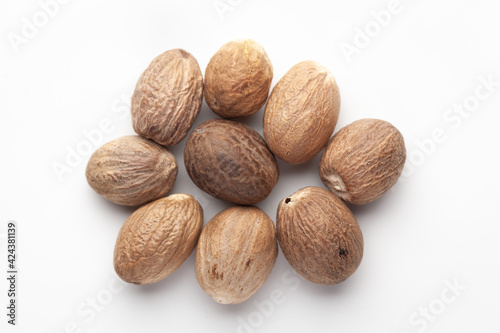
x: 215, y: 274
x: 287, y: 200
x: 248, y: 263
x: 228, y: 165
x: 342, y: 252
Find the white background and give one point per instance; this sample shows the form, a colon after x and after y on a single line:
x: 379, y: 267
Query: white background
x: 439, y: 226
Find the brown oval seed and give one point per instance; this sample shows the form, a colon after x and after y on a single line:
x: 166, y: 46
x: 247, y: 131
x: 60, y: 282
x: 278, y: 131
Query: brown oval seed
x: 236, y: 254
x: 319, y: 236
x: 238, y: 78
x: 363, y: 160
x: 167, y: 98
x: 157, y: 238
x: 230, y: 161
x: 301, y: 112
x: 131, y: 171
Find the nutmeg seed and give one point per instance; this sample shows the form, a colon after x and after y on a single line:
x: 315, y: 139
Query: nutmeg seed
x: 131, y: 171
x: 230, y: 161
x: 157, y: 238
x: 238, y: 78
x: 236, y: 254
x: 167, y: 98
x: 301, y: 112
x: 319, y: 236
x: 363, y: 160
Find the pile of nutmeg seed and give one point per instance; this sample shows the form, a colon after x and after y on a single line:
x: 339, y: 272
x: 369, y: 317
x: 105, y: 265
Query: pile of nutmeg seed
x: 237, y: 248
